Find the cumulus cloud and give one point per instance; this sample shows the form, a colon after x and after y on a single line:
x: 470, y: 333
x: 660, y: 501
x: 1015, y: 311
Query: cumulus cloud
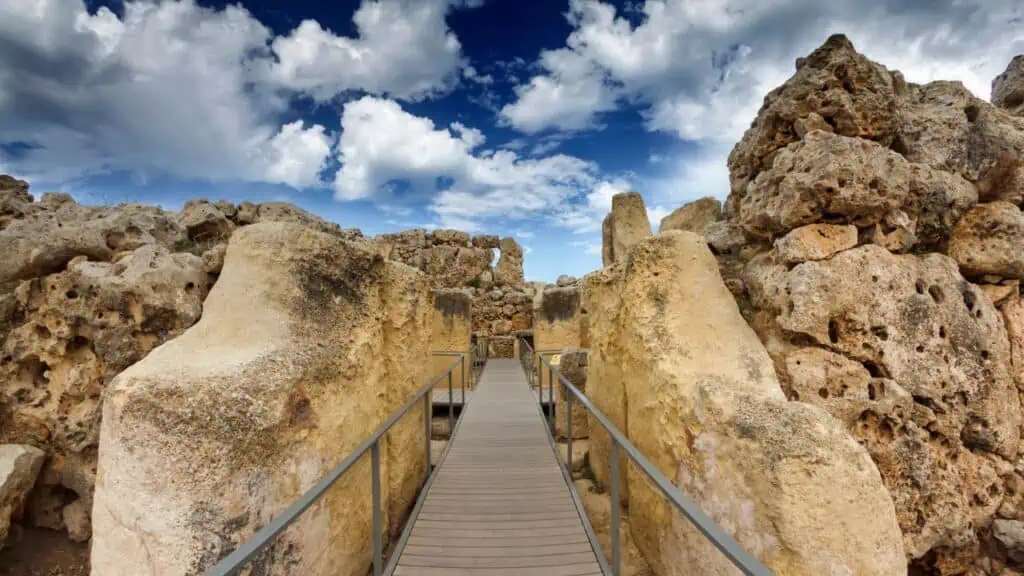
x: 192, y: 92
x: 381, y: 144
x: 403, y: 49
x: 702, y: 68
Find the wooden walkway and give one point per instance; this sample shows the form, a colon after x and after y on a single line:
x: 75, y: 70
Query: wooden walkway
x: 499, y: 503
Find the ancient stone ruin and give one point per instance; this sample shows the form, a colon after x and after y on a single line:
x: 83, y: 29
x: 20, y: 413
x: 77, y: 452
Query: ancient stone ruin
x: 831, y: 364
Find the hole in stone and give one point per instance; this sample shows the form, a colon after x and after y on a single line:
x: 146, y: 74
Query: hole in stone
x: 873, y: 369
x: 984, y: 354
x: 42, y: 331
x: 919, y: 285
x: 977, y: 313
x: 873, y: 184
x: 969, y: 300
x: 871, y: 392
x: 833, y: 331
x: 881, y: 332
x: 823, y: 392
x: 874, y: 277
x: 71, y: 295
x: 190, y: 287
x: 920, y: 348
x: 942, y: 332
x: 971, y: 112
x: 936, y: 294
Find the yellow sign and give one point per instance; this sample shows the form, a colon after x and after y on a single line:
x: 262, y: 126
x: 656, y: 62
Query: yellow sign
x: 555, y: 358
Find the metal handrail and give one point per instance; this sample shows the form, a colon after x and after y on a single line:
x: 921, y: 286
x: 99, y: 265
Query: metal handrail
x: 264, y: 536
x: 740, y: 558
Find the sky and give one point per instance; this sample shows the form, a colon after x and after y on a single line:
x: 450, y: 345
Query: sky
x: 513, y: 117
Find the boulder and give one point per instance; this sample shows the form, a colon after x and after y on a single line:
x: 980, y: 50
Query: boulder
x: 308, y: 342
x: 1008, y: 87
x: 213, y: 259
x: 834, y: 86
x: 565, y: 280
x: 1010, y: 535
x: 509, y: 270
x: 724, y: 237
x: 15, y: 201
x: 943, y: 125
x: 19, y: 466
x: 573, y: 365
x: 247, y: 213
x: 703, y: 403
x: 815, y: 242
x: 693, y: 217
x: 989, y: 239
x: 204, y: 222
x: 854, y: 180
x: 46, y: 239
x: 624, y: 226
x: 914, y: 361
x: 284, y: 212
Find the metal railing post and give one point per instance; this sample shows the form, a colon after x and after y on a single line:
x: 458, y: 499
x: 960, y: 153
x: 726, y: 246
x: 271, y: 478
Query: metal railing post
x: 463, y: 368
x: 551, y: 394
x: 378, y: 563
x: 613, y: 462
x: 426, y: 426
x: 451, y: 407
x: 568, y: 428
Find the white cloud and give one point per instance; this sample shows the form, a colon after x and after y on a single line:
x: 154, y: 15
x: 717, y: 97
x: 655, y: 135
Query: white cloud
x: 702, y: 68
x: 403, y: 49
x: 586, y: 216
x: 173, y: 88
x: 381, y: 144
x: 590, y: 247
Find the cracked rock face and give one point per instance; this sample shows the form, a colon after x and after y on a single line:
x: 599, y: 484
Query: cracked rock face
x: 1008, y: 87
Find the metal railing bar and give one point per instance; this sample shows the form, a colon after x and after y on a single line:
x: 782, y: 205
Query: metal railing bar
x: 432, y: 475
x: 258, y: 541
x: 743, y: 560
x: 567, y: 477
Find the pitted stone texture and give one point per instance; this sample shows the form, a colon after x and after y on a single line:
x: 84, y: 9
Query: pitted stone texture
x: 204, y: 222
x: 307, y: 342
x: 989, y: 239
x: 1008, y: 87
x: 693, y: 217
x: 914, y: 361
x: 623, y: 227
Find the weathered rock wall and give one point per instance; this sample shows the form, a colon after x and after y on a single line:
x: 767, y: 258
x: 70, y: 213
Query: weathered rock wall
x: 702, y: 402
x: 85, y: 291
x: 456, y: 260
x: 881, y: 268
x: 307, y: 343
x: 623, y: 227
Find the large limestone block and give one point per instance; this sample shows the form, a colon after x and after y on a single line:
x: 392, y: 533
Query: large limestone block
x: 307, y: 343
x: 989, y: 239
x: 556, y: 323
x: 602, y: 302
x: 48, y: 237
x: 19, y: 467
x: 572, y: 365
x: 624, y: 226
x: 1008, y: 87
x: 918, y: 369
x: 693, y: 217
x: 704, y: 405
x: 852, y: 95
x: 509, y: 270
x: 204, y: 221
x: 852, y: 178
x: 946, y: 127
x: 815, y: 242
x: 284, y: 212
x: 451, y: 329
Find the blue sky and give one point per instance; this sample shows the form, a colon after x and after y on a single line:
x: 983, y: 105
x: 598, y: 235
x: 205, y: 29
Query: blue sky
x: 499, y: 116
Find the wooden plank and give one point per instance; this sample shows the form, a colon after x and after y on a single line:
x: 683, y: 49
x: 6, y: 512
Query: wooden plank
x: 499, y: 505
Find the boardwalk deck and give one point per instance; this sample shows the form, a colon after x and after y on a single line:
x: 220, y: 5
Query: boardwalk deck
x: 499, y: 503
